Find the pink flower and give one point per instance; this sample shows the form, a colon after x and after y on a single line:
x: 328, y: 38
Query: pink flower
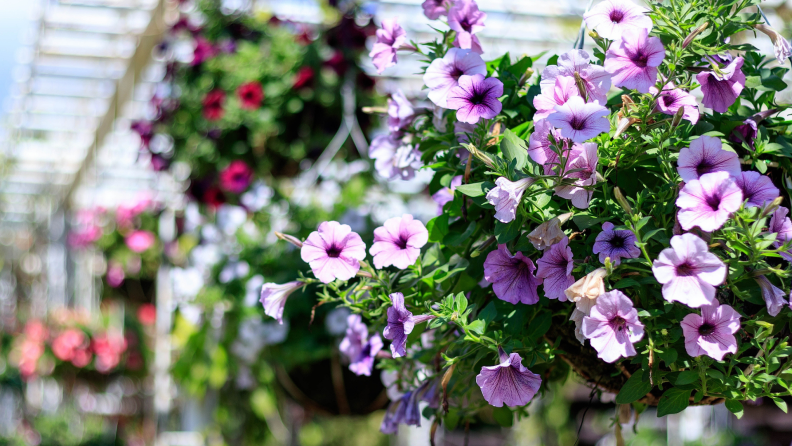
x: 443, y: 74
x: 540, y: 147
x: 580, y: 121
x: 506, y: 196
x: 509, y: 382
x: 782, y: 226
x: 393, y: 159
x: 147, y: 314
x: 433, y: 9
x: 273, y: 298
x: 236, y: 177
x: 722, y: 87
x: 72, y: 346
x: 689, y: 272
x: 398, y: 242
x: 389, y: 39
x: 555, y: 268
x: 712, y: 333
x: 634, y: 61
x: 108, y: 348
x: 115, y: 274
x: 757, y: 189
x: 476, y: 97
x: 213, y: 105
x: 671, y: 99
x: 545, y: 104
x: 203, y: 51
x: 333, y: 251
x: 613, y: 326
x: 610, y: 18
x: 250, y: 95
x: 465, y: 18
x: 512, y: 276
x: 774, y: 297
x: 705, y: 155
x: 446, y: 194
x: 400, y: 112
x: 139, y: 241
x: 708, y: 201
x: 583, y: 160
x: 596, y: 80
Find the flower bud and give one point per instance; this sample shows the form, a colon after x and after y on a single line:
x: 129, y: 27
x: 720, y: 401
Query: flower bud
x: 548, y: 233
x: 677, y: 119
x: 693, y: 34
x: 480, y: 155
x: 772, y: 207
x: 289, y: 238
x: 617, y: 193
x: 581, y: 86
x: 585, y: 291
x: 781, y: 46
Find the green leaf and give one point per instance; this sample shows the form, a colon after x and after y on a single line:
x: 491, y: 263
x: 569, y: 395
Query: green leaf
x: 735, y: 407
x: 438, y: 228
x: 489, y: 313
x: 668, y: 356
x: 451, y: 419
x: 780, y: 403
x: 514, y: 149
x: 673, y: 401
x: 687, y: 377
x: 503, y: 415
x: 539, y: 326
x: 634, y: 389
x: 477, y: 326
x: 506, y: 232
x: 475, y: 189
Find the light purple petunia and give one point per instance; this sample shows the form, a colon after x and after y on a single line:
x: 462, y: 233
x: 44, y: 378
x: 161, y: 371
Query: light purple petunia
x: 465, y: 18
x: 610, y: 18
x: 400, y: 324
x: 580, y: 121
x: 671, y: 99
x: 583, y: 160
x: 758, y: 189
x: 509, y: 382
x: 613, y: 326
x: 539, y: 145
x: 443, y: 74
x: 722, y: 87
x: 476, y: 97
x: 688, y: 271
x: 596, y: 80
x: 512, y: 276
x: 359, y: 347
x: 333, y: 251
x: 506, y: 196
x: 774, y: 297
x: 389, y: 38
x: 545, y: 103
x: 706, y: 155
x: 398, y: 242
x: 434, y: 9
x: 446, y: 194
x: 555, y: 269
x: 708, y: 201
x: 405, y: 409
x: 633, y: 61
x: 712, y: 332
x: 615, y: 243
x: 273, y: 298
x: 400, y: 112
x: 781, y: 225
x: 394, y: 159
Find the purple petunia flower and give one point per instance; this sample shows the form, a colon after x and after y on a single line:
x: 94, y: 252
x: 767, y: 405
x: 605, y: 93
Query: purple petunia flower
x: 506, y: 196
x: 433, y: 9
x: 580, y: 121
x: 465, y: 18
x: 509, y: 382
x: 610, y: 18
x: 774, y: 298
x: 596, y: 80
x: 389, y: 38
x: 688, y: 271
x: 758, y: 189
x: 398, y: 242
x: 564, y: 89
x: 359, y: 347
x: 273, y: 298
x: 748, y: 132
x: 393, y: 159
x: 400, y: 112
x: 333, y: 251
x: 540, y: 148
x: 708, y: 201
x: 405, y: 409
x: 671, y: 99
x: 583, y: 160
x: 443, y: 74
x: 555, y: 269
x: 476, y: 97
x: 633, y: 63
x: 711, y: 333
x: 512, y: 276
x: 401, y: 323
x: 782, y: 226
x: 722, y: 86
x: 446, y: 194
x: 615, y: 243
x: 706, y: 155
x: 613, y: 326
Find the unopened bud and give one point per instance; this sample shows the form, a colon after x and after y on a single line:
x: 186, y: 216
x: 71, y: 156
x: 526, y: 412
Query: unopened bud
x: 693, y: 34
x: 374, y: 110
x: 677, y: 119
x: 624, y: 124
x: 581, y: 85
x: 622, y: 201
x: 772, y: 207
x: 480, y: 155
x: 289, y: 238
x: 594, y: 35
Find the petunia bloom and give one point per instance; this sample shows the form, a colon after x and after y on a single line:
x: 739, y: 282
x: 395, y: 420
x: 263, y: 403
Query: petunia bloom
x: 250, y: 95
x: 400, y: 112
x: 139, y: 241
x: 333, y: 251
x: 506, y: 196
x: 512, y: 276
x: 708, y: 201
x: 213, y: 105
x: 443, y: 74
x: 781, y: 46
x: 549, y: 233
x: 634, y: 61
x: 509, y: 382
x: 613, y: 327
x: 706, y: 155
x: 722, y: 87
x: 405, y: 409
x: 582, y: 162
x: 565, y: 88
x: 115, y: 274
x: 586, y: 290
x: 671, y: 99
x: 774, y: 297
x: 611, y: 18
x: 615, y: 243
x: 433, y: 9
x: 359, y: 347
x: 595, y: 78
x: 540, y: 147
x: 400, y: 324
x: 446, y: 194
x: 273, y: 298
x: 465, y: 18
x: 393, y: 158
x: 757, y: 189
x: 580, y: 121
x: 236, y: 177
x: 747, y: 131
x: 398, y: 242
x: 712, y: 332
x: 782, y: 226
x: 389, y: 38
x: 476, y: 97
x: 688, y: 271
x: 555, y: 269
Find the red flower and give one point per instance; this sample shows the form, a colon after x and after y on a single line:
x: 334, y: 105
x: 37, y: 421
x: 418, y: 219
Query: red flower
x: 213, y: 105
x: 147, y: 314
x: 236, y: 177
x: 251, y: 95
x: 213, y: 197
x: 304, y: 78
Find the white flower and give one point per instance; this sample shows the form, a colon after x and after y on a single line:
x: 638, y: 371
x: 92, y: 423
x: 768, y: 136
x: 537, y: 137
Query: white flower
x: 585, y: 291
x: 506, y: 196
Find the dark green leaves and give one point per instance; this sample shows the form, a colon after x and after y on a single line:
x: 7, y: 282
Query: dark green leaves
x: 634, y: 389
x: 735, y: 407
x: 673, y: 401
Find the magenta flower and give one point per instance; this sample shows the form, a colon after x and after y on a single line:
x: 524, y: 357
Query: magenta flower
x: 712, y: 333
x: 782, y: 226
x: 615, y: 243
x: 705, y: 155
x: 689, y: 272
x: 398, y: 242
x: 634, y: 61
x: 433, y: 9
x: 506, y: 196
x: 540, y: 147
x: 359, y: 347
x: 273, y: 298
x: 394, y: 159
x: 757, y: 189
x: 722, y: 86
x: 611, y: 18
x: 333, y: 251
x: 442, y: 75
x: 545, y: 104
x: 509, y: 382
x: 512, y: 276
x: 115, y: 274
x: 465, y: 18
x: 555, y: 269
x: 236, y: 177
x: 446, y: 194
x: 476, y: 97
x: 671, y: 99
x: 774, y: 298
x: 400, y: 112
x: 389, y: 39
x: 583, y: 160
x: 401, y: 323
x: 139, y: 241
x: 580, y: 121
x: 613, y: 326
x: 595, y: 78
x: 708, y: 201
